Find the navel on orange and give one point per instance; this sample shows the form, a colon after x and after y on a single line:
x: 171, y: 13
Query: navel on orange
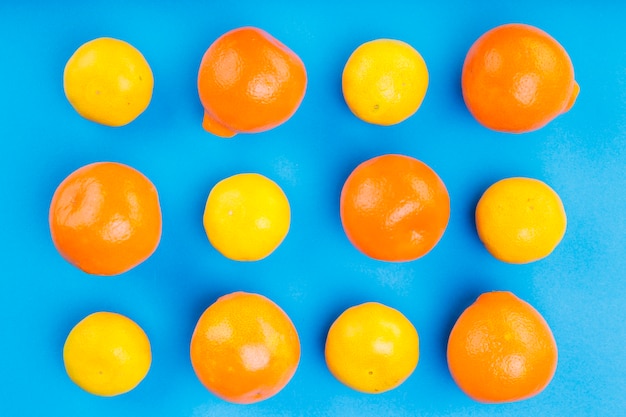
x: 501, y: 349
x: 394, y: 208
x: 244, y: 348
x: 105, y: 218
x: 249, y: 82
x: 517, y: 78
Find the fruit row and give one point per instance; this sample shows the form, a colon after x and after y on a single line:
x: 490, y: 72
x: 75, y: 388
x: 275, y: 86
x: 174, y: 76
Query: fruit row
x: 105, y: 218
x: 516, y: 78
x: 245, y: 349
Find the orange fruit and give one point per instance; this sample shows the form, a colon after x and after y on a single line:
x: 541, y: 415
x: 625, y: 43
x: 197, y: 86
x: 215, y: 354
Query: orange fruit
x: 249, y: 82
x: 105, y: 218
x: 501, y: 349
x: 517, y: 78
x: 372, y: 348
x: 244, y: 348
x: 520, y: 220
x: 394, y: 208
x: 107, y: 354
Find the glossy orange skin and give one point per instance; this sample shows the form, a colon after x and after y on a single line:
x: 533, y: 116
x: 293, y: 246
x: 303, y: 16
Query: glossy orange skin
x: 517, y: 78
x: 244, y: 348
x: 249, y: 82
x: 105, y: 218
x: 501, y: 349
x: 394, y: 208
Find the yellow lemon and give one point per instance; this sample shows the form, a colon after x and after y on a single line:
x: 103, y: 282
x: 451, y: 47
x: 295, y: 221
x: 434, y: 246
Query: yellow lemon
x: 108, y: 81
x: 107, y: 354
x: 372, y: 348
x: 520, y: 220
x: 246, y: 217
x: 384, y: 81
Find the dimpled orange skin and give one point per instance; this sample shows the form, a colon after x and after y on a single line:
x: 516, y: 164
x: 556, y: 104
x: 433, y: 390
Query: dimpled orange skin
x: 501, y: 349
x: 105, y: 218
x: 394, y: 208
x: 249, y: 82
x: 244, y: 349
x: 517, y: 78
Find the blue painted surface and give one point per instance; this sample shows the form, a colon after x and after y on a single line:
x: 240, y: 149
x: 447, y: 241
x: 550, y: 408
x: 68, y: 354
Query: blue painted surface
x: 315, y: 274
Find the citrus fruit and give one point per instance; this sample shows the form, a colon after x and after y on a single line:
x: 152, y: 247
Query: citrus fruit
x: 394, y: 208
x: 501, y: 349
x: 520, y: 220
x: 384, y: 81
x: 107, y: 354
x: 108, y: 81
x: 516, y: 78
x: 372, y: 348
x: 105, y: 218
x: 249, y: 82
x: 246, y: 216
x: 244, y: 348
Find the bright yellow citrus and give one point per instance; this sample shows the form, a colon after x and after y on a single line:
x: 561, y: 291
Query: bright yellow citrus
x: 384, y: 81
x: 246, y: 217
x: 108, y: 81
x: 520, y: 220
x: 107, y: 354
x: 372, y: 348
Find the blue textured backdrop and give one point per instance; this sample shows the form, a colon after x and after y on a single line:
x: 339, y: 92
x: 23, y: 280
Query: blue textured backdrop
x: 580, y: 289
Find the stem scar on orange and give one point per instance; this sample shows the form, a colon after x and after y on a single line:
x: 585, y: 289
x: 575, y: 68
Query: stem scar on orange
x: 105, y: 218
x: 394, y: 208
x: 517, y: 78
x: 244, y: 348
x: 501, y: 349
x: 249, y: 82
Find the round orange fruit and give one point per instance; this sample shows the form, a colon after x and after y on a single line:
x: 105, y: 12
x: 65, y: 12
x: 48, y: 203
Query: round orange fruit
x: 517, y: 78
x: 105, y: 218
x: 244, y: 348
x: 394, y: 208
x: 249, y: 82
x: 501, y: 349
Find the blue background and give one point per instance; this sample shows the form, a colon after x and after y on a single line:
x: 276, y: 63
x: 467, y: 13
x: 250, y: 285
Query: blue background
x: 580, y: 289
